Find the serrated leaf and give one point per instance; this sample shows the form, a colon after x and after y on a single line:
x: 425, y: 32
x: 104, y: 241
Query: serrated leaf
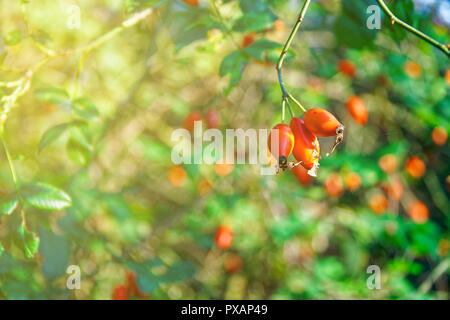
x: 84, y: 108
x: 233, y: 64
x: 29, y: 241
x: 52, y: 95
x: 52, y: 135
x: 8, y: 203
x: 45, y: 197
x: 253, y: 22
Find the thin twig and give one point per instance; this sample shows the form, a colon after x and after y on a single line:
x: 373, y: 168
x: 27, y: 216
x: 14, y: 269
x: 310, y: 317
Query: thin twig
x: 444, y: 48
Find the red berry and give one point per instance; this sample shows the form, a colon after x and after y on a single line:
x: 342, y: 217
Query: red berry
x: 415, y: 167
x: 333, y: 185
x: 306, y: 146
x: 302, y: 175
x: 192, y: 3
x: 347, y: 67
x: 418, y: 211
x: 224, y: 237
x: 378, y: 203
x: 285, y: 142
x: 120, y: 292
x: 188, y: 123
x: 322, y: 123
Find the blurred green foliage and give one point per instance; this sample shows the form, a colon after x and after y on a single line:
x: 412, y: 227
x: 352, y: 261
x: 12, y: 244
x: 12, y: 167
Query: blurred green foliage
x: 87, y: 182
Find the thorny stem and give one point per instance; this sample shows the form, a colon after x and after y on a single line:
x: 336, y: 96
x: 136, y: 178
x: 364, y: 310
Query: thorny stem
x: 284, y: 52
x: 394, y: 19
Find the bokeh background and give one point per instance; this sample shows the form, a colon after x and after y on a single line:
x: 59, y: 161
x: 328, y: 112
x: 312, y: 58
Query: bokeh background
x: 89, y: 138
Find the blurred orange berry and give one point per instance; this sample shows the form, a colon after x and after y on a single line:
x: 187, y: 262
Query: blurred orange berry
x: 415, y: 167
x: 224, y: 237
x: 352, y: 181
x: 213, y: 118
x: 357, y: 109
x: 132, y: 287
x: 347, y: 67
x: 413, y: 69
x: 177, y: 176
x: 279, y: 25
x: 223, y: 169
x: 192, y: 3
x: 120, y: 293
x: 439, y: 136
x: 334, y: 185
x: 188, y: 123
x: 388, y: 163
x: 233, y: 263
x: 248, y: 40
x: 378, y: 203
x: 447, y: 76
x: 394, y: 190
x: 204, y: 186
x: 302, y: 175
x: 418, y: 211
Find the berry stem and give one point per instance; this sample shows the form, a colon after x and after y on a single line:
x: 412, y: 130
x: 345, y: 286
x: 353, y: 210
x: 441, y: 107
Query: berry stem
x: 285, y: 94
x: 444, y: 48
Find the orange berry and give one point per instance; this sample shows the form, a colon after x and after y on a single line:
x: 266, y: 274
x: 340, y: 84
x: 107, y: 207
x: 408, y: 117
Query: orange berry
x: 285, y: 141
x: 279, y: 25
x: 378, y: 203
x: 394, y: 190
x: 413, y: 69
x: 204, y: 186
x: 418, y: 211
x: 334, y: 185
x: 302, y: 175
x: 224, y: 237
x: 120, y: 293
x: 248, y: 40
x: 192, y: 3
x: 439, y: 136
x: 213, y: 118
x: 177, y: 176
x: 353, y: 181
x: 233, y: 263
x: 388, y: 163
x: 447, y: 76
x: 223, y: 169
x: 306, y: 146
x: 415, y: 167
x: 321, y: 122
x: 347, y: 67
x: 357, y: 109
x: 188, y: 123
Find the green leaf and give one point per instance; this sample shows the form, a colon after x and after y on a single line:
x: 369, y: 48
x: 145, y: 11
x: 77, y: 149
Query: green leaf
x: 13, y: 38
x: 8, y: 203
x: 253, y: 22
x: 84, y: 108
x: 79, y: 145
x: 52, y: 95
x: 56, y: 253
x: 45, y: 197
x: 52, y: 135
x: 29, y: 241
x: 233, y: 64
x: 263, y: 49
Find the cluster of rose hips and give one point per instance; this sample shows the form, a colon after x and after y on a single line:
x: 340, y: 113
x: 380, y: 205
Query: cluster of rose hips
x: 128, y: 290
x: 300, y: 139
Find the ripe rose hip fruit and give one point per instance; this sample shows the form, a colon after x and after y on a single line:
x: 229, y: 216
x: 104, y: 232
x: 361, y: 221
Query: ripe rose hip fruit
x: 413, y: 69
x: 224, y: 237
x: 213, y: 118
x: 334, y: 185
x: 120, y: 293
x: 415, y: 167
x: 188, y: 123
x: 233, y: 263
x: 347, y: 67
x: 418, y: 211
x: 177, y: 176
x: 322, y: 123
x: 378, y: 203
x: 439, y: 136
x: 302, y: 175
x: 285, y: 142
x: 357, y: 109
x: 306, y: 146
x: 353, y: 181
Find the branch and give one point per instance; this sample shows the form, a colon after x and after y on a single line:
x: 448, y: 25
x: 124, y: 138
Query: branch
x: 444, y: 48
x: 279, y: 65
